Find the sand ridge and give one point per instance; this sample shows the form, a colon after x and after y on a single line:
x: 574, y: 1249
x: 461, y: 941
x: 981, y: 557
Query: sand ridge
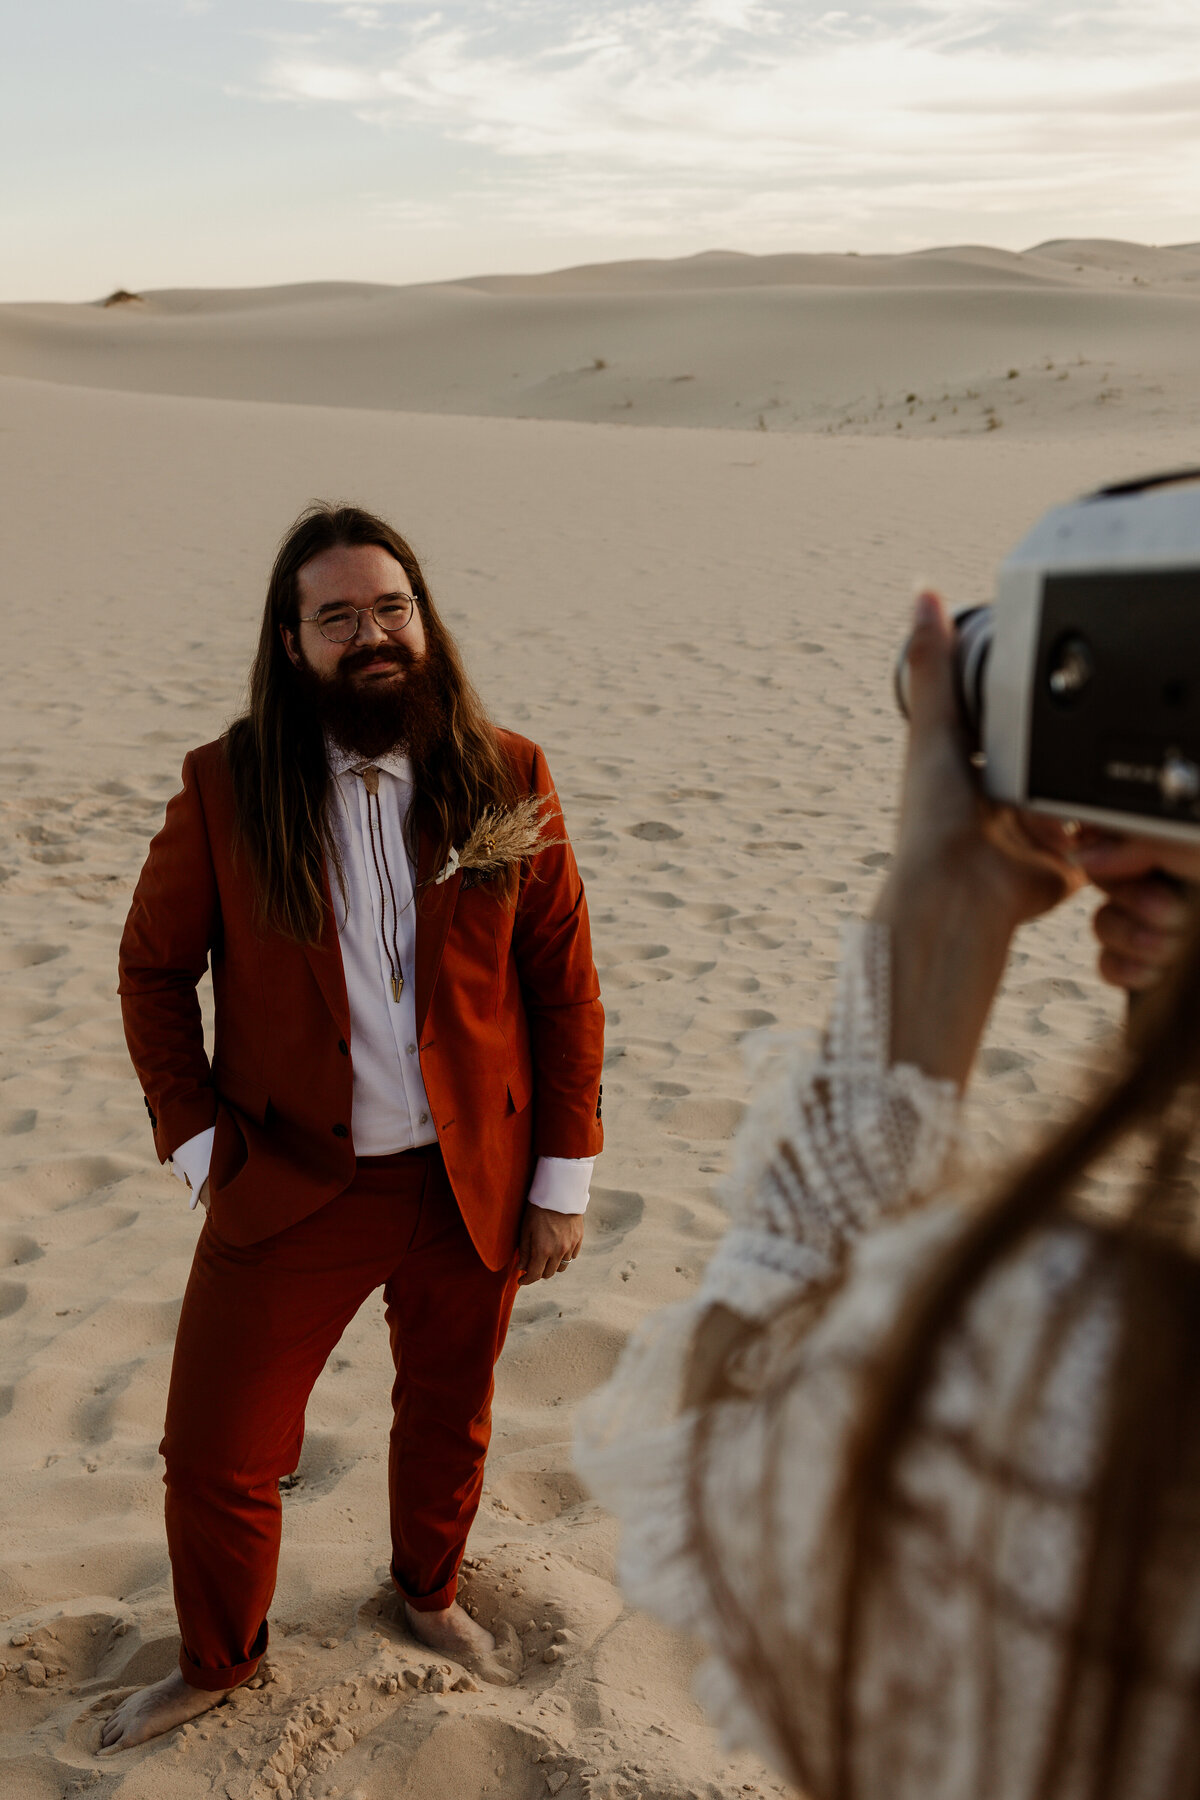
x: 946, y: 342
x: 699, y: 627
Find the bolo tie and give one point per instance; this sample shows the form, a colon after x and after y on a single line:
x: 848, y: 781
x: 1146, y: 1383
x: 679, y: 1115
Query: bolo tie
x: 369, y: 775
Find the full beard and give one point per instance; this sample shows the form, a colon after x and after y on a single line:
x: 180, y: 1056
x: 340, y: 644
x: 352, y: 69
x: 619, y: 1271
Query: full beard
x: 378, y: 717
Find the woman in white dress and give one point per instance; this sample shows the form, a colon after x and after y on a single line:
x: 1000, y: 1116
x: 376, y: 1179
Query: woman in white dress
x: 922, y: 1467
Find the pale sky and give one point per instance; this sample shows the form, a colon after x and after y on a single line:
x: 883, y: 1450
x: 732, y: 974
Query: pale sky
x: 158, y: 143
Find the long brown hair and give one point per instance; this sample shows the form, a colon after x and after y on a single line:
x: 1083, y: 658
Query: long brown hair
x: 1149, y: 1454
x: 277, y: 751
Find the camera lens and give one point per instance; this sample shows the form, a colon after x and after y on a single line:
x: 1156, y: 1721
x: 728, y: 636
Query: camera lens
x: 974, y: 631
x: 1070, y: 668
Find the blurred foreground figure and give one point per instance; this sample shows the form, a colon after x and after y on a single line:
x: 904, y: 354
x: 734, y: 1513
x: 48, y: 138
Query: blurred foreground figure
x: 923, y: 1468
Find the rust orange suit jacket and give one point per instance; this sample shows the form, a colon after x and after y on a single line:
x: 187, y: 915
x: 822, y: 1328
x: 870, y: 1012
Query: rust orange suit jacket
x: 509, y: 1022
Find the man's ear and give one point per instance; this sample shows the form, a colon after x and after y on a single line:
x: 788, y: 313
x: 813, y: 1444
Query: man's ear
x: 290, y: 644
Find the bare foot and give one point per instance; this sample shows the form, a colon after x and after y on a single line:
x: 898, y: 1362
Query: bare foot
x: 455, y: 1633
x: 153, y: 1710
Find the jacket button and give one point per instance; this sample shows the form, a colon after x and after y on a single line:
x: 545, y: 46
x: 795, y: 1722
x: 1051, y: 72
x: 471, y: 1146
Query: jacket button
x: 341, y: 1131
x: 343, y: 1046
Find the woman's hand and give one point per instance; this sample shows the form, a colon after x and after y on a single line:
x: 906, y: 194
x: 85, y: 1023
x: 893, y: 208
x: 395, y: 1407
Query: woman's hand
x: 1150, y: 911
x: 965, y: 875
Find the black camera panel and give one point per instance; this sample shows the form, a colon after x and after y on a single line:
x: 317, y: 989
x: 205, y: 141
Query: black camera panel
x: 1115, y: 714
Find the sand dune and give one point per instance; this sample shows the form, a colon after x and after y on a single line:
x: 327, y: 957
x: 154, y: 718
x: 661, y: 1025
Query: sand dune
x: 699, y: 626
x: 940, y: 343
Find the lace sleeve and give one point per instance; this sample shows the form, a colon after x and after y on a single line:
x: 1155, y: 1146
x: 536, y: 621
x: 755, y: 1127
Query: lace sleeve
x: 835, y: 1142
x: 830, y: 1148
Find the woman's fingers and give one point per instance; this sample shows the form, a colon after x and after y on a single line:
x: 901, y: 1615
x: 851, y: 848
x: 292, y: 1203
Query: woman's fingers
x: 1108, y: 857
x: 1122, y: 972
x: 1141, y: 928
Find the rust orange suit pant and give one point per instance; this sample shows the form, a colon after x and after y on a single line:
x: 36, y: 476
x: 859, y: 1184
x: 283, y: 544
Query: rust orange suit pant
x: 257, y: 1327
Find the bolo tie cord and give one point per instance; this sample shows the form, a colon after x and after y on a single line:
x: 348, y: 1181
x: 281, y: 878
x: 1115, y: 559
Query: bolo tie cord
x: 383, y: 874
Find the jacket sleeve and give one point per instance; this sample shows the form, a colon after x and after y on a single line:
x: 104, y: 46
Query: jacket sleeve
x: 552, y: 943
x: 172, y: 926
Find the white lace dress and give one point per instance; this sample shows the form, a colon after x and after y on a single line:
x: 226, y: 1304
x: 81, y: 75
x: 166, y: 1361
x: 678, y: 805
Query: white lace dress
x: 961, y: 1641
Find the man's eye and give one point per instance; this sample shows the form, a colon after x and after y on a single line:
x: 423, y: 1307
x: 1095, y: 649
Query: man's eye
x: 392, y: 614
x: 338, y: 617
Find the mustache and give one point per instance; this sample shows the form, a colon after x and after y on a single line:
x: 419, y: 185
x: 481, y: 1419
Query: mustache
x: 358, y: 659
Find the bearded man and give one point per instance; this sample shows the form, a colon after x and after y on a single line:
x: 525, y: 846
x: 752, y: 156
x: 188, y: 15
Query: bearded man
x: 404, y: 1087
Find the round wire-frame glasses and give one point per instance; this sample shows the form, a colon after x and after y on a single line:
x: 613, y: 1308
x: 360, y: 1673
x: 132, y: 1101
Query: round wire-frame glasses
x: 339, y: 622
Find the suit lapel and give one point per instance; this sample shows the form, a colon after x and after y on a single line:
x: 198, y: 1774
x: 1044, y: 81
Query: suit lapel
x: 434, y: 907
x: 325, y: 961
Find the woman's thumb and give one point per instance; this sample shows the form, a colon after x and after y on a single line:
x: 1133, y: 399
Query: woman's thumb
x: 931, y: 696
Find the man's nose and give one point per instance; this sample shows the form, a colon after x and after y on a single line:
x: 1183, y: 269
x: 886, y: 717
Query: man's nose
x: 369, y: 630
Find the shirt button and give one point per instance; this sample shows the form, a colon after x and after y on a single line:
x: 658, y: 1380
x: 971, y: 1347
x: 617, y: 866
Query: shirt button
x: 424, y: 1119
x: 411, y: 1049
x: 341, y: 1131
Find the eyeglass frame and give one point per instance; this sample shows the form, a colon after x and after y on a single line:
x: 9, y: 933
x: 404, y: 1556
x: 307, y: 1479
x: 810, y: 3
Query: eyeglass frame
x: 383, y: 600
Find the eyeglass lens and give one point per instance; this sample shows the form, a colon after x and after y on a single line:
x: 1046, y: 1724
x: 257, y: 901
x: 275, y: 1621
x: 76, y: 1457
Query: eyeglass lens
x: 340, y: 623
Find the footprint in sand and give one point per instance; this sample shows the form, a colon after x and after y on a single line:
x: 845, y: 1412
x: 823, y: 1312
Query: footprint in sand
x: 752, y: 1018
x: 54, y: 855
x: 1051, y: 987
x: 537, y: 1494
x: 550, y: 1367
x: 714, y: 914
x: 691, y: 967
x: 817, y: 884
x: 29, y: 956
x: 13, y: 1295
x: 17, y: 1247
x: 611, y: 1213
x: 327, y: 1457
x: 1011, y: 1064
x: 702, y: 1118
x: 70, y: 1180
x: 21, y: 1014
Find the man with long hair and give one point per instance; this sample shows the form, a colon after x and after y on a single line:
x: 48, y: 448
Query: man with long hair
x: 404, y: 1087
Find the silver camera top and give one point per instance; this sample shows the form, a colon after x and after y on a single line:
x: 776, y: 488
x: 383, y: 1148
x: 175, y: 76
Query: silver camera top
x: 1081, y: 684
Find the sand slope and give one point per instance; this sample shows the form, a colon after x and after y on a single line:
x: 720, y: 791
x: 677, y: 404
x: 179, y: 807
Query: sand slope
x: 699, y: 628
x: 944, y: 342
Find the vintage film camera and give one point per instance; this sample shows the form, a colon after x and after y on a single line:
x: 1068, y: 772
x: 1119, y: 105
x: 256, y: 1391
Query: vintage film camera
x: 1080, y: 686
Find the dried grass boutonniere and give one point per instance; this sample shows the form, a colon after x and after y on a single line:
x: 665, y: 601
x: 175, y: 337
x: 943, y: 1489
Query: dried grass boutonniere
x: 499, y: 837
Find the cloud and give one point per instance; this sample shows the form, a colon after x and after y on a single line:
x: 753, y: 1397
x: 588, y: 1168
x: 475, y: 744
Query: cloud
x: 735, y: 108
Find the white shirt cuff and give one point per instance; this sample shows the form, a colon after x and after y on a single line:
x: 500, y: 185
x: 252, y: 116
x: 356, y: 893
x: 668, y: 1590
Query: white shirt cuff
x: 561, y: 1183
x: 191, y: 1161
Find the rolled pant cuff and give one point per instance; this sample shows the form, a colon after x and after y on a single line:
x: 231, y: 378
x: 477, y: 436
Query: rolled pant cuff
x: 213, y: 1681
x: 435, y: 1602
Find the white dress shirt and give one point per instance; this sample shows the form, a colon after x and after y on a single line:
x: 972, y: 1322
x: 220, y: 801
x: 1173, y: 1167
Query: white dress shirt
x: 375, y: 930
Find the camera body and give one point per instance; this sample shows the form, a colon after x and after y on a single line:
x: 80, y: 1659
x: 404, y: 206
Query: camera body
x: 1082, y: 683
